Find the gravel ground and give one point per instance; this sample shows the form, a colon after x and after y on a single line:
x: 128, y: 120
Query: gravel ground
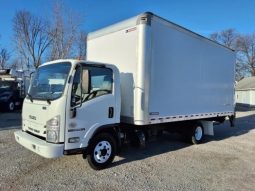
x: 10, y: 120
x: 224, y: 162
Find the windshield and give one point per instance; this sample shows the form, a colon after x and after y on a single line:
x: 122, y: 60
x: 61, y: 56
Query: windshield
x: 49, y: 81
x: 5, y: 85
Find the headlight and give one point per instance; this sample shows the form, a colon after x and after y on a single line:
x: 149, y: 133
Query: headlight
x: 52, y: 129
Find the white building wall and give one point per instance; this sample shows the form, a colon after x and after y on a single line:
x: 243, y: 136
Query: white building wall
x: 252, y: 97
x: 245, y: 97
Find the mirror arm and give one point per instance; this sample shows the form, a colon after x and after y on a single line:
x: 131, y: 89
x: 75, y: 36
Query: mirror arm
x: 73, y: 113
x: 73, y: 108
x: 81, y: 100
x: 30, y: 75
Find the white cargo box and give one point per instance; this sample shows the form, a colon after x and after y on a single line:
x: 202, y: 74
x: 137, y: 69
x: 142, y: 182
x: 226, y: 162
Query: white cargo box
x: 168, y: 73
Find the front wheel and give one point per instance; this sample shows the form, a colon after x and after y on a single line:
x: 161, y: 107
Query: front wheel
x: 101, y: 151
x: 10, y: 105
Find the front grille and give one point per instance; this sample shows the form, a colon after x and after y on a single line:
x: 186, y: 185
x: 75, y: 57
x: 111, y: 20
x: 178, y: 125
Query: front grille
x: 40, y: 137
x: 36, y: 129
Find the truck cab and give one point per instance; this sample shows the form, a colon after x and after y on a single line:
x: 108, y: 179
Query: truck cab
x: 71, y: 107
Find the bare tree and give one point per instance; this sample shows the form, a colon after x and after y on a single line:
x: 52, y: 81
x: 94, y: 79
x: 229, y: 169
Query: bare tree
x: 82, y: 45
x: 226, y: 37
x: 15, y: 65
x: 63, y: 32
x: 229, y: 38
x: 4, y: 57
x: 31, y: 37
x: 246, y: 50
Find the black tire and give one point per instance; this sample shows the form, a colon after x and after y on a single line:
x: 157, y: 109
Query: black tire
x: 196, y: 134
x: 11, y: 106
x: 98, y: 157
x: 138, y: 138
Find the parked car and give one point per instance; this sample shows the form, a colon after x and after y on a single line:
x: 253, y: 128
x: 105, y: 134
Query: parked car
x: 10, y: 95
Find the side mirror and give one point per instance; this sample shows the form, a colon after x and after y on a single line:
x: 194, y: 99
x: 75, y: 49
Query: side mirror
x: 85, y: 82
x: 32, y: 74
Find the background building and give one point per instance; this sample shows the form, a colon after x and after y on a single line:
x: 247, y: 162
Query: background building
x: 245, y: 92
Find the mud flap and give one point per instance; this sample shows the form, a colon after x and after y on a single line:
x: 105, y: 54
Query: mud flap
x: 232, y: 120
x: 208, y: 127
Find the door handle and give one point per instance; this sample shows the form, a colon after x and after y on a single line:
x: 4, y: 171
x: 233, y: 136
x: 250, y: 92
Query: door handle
x: 110, y: 112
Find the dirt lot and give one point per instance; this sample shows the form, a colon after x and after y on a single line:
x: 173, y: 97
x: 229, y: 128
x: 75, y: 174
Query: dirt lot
x: 10, y: 120
x: 224, y: 162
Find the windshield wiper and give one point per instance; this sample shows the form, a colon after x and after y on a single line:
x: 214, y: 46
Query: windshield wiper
x: 30, y: 97
x: 48, y: 101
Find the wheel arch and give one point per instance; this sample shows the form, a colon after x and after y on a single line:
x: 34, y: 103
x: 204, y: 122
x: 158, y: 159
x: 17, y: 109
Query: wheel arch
x: 112, y: 129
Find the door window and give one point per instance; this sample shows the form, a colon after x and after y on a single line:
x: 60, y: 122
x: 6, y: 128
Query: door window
x: 101, y: 82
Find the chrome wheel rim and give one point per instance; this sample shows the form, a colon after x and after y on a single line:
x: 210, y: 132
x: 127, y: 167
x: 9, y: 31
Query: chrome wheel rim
x: 102, y: 151
x: 198, y: 133
x: 11, y: 106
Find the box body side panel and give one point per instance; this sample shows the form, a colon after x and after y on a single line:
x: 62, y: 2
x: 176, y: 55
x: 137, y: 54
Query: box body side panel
x: 120, y: 49
x: 189, y: 75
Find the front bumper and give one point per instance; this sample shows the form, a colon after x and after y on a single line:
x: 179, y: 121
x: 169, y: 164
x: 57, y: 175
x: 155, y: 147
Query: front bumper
x: 41, y: 147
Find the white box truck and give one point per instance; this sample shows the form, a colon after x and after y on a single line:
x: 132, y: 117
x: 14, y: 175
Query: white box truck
x: 145, y: 74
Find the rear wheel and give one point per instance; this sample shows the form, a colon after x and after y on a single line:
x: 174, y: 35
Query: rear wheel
x: 197, y: 134
x: 101, y: 151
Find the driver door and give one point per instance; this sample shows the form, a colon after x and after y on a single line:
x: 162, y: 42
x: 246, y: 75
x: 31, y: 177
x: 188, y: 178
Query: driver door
x: 90, y: 109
